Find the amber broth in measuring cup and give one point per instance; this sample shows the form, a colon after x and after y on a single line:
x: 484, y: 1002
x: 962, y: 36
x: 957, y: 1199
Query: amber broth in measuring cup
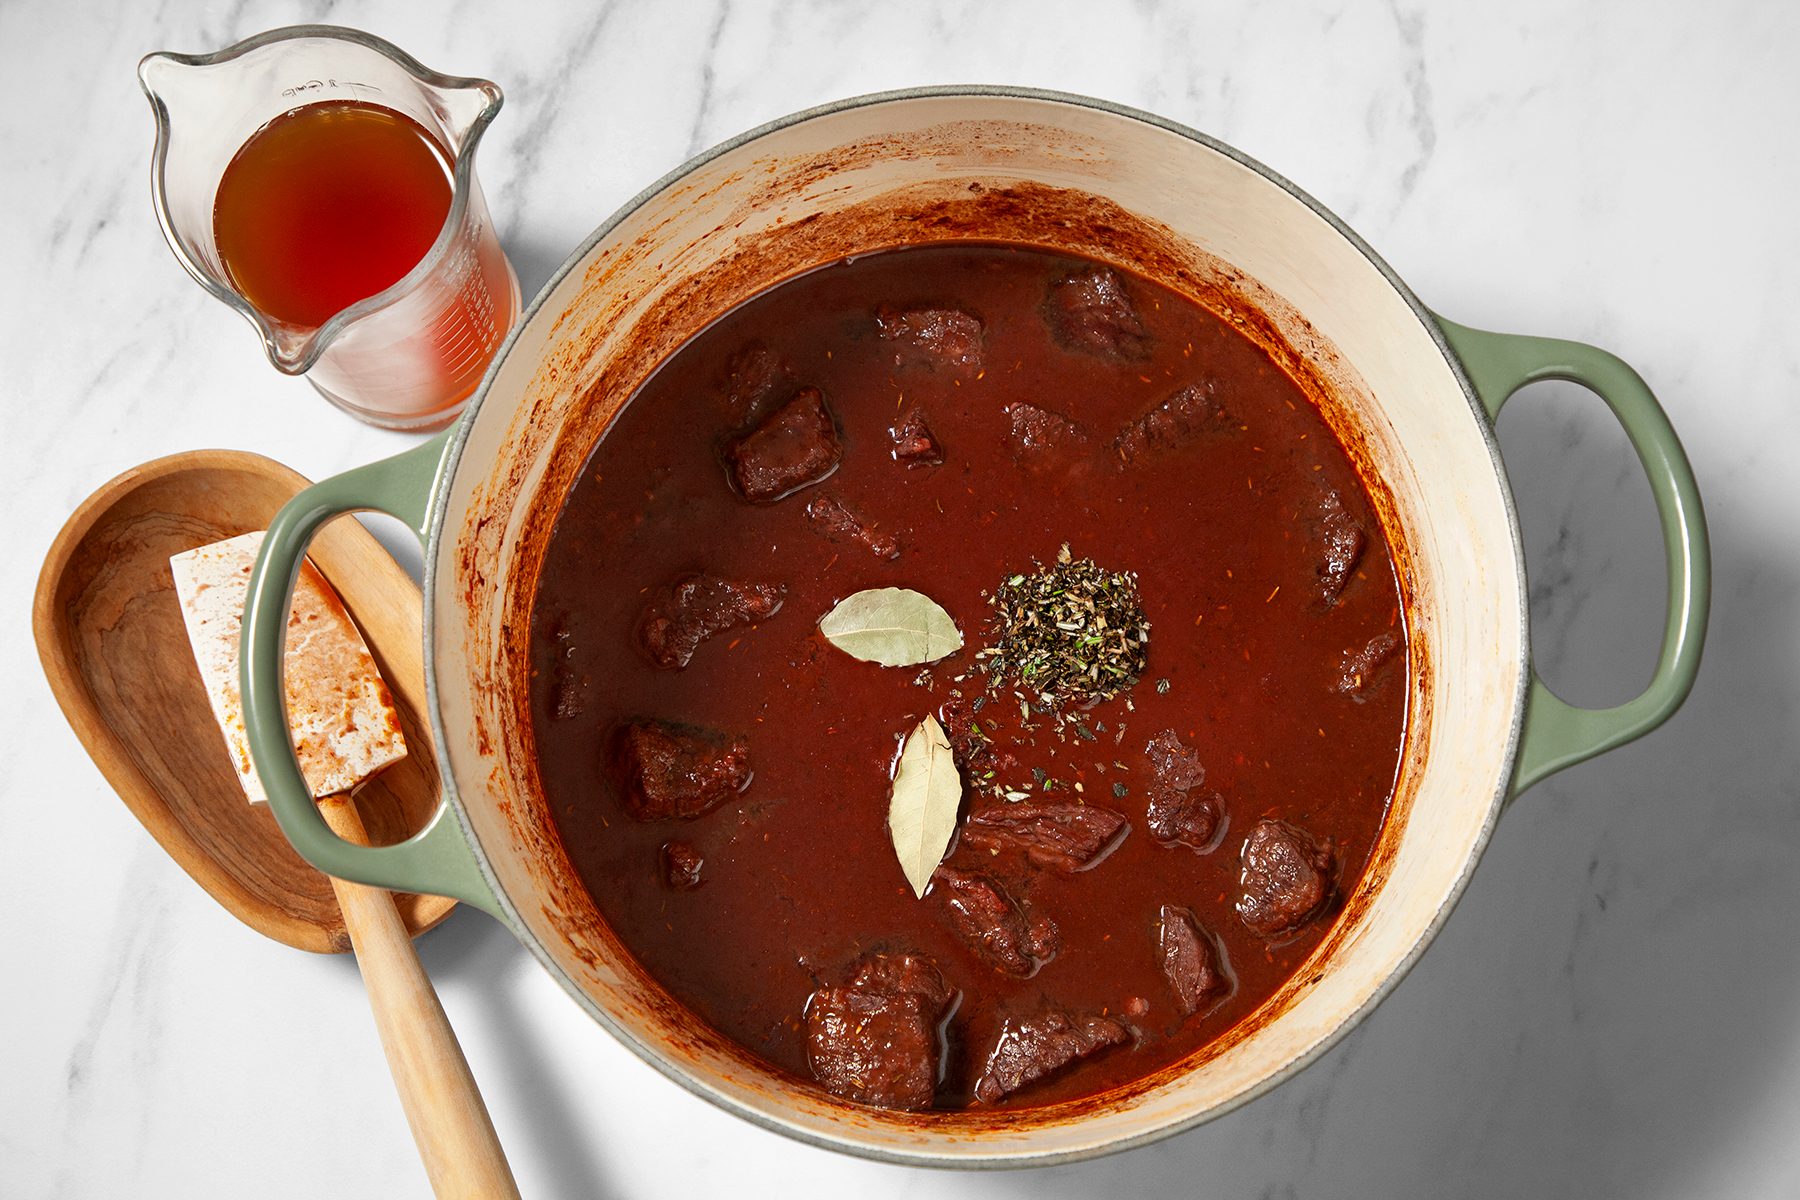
x: 321, y: 182
x: 327, y: 205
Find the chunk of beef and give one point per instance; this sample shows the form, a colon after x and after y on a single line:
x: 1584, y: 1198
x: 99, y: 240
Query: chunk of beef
x: 1172, y: 764
x: 681, y: 863
x: 939, y: 339
x: 1177, y: 422
x: 1359, y: 670
x: 1057, y: 837
x: 910, y: 973
x: 1041, y: 439
x: 1033, y: 1048
x: 999, y: 929
x: 1192, y: 961
x: 794, y: 447
x: 878, y: 1038
x: 834, y: 519
x: 1285, y: 879
x: 1339, y: 542
x: 914, y: 443
x: 1192, y: 819
x: 696, y: 607
x: 1091, y: 312
x: 678, y: 771
x: 1180, y: 813
x: 754, y: 378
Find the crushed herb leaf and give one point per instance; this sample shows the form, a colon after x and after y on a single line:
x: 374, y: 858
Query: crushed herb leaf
x: 1073, y: 631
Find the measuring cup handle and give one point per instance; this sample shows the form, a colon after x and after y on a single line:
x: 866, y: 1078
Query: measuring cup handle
x: 438, y: 860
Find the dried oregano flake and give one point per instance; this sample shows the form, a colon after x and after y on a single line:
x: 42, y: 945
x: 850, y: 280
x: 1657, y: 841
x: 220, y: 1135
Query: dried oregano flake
x: 1072, y: 633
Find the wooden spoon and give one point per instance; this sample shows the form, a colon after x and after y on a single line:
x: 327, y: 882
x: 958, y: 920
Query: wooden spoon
x: 113, y: 643
x: 450, y: 1124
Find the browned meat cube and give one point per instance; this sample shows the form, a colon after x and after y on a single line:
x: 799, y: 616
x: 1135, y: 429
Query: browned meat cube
x: 696, y: 607
x: 908, y: 973
x: 677, y: 771
x: 879, y: 1038
x: 832, y: 518
x: 1040, y: 439
x: 1192, y: 819
x: 1192, y: 961
x: 1180, y: 813
x: 914, y: 443
x: 1057, y: 837
x: 1339, y: 541
x: 939, y: 339
x: 999, y: 929
x: 1359, y: 670
x: 1285, y: 879
x: 754, y: 378
x: 1092, y: 312
x: 794, y: 447
x: 1033, y: 1048
x: 1172, y: 764
x: 681, y: 864
x: 1177, y: 422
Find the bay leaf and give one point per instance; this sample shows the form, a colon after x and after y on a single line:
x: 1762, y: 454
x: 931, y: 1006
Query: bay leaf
x: 896, y: 627
x: 923, y: 806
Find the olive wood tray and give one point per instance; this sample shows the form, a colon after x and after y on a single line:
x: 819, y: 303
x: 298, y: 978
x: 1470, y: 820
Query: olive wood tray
x: 113, y: 644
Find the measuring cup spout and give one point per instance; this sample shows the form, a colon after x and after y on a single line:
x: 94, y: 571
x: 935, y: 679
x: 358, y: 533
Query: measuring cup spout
x: 408, y: 356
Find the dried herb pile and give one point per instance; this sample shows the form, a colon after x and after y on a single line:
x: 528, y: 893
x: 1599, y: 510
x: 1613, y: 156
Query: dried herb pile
x: 1072, y: 633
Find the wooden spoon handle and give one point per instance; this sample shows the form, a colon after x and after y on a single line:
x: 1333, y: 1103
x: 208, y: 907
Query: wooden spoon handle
x: 449, y: 1122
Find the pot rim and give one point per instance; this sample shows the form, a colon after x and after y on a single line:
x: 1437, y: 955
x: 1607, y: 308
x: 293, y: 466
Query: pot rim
x: 457, y: 439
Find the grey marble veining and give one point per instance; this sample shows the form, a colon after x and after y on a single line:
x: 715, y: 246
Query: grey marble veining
x: 1614, y: 1009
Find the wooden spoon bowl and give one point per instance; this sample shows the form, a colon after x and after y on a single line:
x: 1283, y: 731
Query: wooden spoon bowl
x: 112, y: 641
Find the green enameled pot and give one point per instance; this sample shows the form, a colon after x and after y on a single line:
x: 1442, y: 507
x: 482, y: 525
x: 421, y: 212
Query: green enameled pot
x: 1411, y: 394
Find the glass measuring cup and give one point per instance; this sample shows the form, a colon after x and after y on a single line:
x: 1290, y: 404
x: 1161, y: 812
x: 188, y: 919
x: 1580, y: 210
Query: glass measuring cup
x: 407, y: 357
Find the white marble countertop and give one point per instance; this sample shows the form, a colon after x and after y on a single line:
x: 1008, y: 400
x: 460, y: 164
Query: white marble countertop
x: 1614, y: 1010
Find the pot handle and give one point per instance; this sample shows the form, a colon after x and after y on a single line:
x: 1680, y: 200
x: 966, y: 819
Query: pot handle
x: 437, y: 860
x: 1558, y: 734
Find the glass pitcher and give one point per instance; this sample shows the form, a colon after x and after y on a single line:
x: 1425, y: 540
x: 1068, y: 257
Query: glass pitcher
x: 407, y: 357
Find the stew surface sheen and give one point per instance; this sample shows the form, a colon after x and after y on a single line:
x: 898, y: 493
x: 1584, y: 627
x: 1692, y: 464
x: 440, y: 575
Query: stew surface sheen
x: 1281, y: 644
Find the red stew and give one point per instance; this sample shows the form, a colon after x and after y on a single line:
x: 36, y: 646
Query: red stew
x: 995, y: 428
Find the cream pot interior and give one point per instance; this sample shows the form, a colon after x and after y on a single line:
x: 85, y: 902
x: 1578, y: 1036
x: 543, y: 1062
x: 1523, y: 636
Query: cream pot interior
x: 1051, y: 170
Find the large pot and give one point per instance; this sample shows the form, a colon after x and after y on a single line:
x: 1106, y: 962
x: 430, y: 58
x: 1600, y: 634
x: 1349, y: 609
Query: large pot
x: 1411, y: 394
